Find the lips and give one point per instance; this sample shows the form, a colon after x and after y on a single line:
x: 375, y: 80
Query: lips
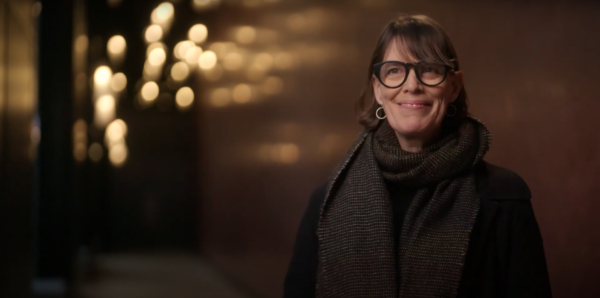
x: 414, y: 104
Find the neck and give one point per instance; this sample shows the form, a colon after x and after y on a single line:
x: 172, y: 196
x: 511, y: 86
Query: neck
x: 416, y: 143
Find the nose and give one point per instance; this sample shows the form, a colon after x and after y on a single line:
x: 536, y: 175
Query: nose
x: 412, y: 84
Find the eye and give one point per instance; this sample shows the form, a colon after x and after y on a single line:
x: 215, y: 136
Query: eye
x: 393, y: 71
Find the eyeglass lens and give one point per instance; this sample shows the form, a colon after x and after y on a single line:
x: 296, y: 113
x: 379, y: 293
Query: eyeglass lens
x: 394, y: 74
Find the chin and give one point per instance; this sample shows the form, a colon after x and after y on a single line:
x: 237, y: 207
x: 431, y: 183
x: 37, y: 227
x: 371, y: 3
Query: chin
x: 410, y: 127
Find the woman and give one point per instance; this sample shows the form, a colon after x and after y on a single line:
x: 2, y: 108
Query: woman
x: 413, y: 210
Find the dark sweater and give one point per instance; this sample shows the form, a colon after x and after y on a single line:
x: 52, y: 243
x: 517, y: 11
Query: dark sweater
x: 505, y: 257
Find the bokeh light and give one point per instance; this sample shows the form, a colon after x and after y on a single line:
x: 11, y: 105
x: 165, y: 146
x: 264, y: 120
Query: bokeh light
x: 116, y: 45
x: 207, y: 60
x: 104, y: 110
x: 192, y: 55
x: 284, y: 153
x: 102, y: 76
x: 213, y: 74
x: 204, y: 5
x: 115, y: 131
x: 163, y: 13
x: 118, y: 82
x: 233, y: 61
x: 80, y: 129
x: 105, y: 104
x: 263, y: 61
x: 198, y: 33
x: 117, y: 154
x: 255, y: 73
x: 182, y: 47
x: 81, y: 44
x: 95, y: 152
x: 272, y: 86
x: 153, y: 33
x: 245, y: 35
x: 220, y: 97
x: 284, y: 60
x: 80, y: 152
x: 180, y: 71
x: 242, y: 93
x: 149, y: 91
x: 157, y: 57
x: 184, y: 97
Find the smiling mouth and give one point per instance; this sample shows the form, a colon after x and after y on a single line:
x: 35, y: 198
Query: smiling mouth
x: 414, y: 105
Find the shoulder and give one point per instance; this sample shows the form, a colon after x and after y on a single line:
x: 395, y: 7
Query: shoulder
x: 498, y: 183
x: 318, y: 196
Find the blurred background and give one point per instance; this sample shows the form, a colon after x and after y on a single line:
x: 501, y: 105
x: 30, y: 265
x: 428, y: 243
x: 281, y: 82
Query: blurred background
x: 168, y: 149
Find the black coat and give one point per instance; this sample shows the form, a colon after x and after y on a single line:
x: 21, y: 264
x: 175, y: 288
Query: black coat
x: 505, y: 256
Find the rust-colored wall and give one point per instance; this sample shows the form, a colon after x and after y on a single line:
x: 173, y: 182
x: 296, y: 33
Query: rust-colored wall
x: 531, y: 72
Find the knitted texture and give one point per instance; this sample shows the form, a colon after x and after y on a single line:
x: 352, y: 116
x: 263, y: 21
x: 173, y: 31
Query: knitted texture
x: 356, y: 235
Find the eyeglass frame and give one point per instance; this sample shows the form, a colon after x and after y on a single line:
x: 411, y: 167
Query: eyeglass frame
x: 407, y: 66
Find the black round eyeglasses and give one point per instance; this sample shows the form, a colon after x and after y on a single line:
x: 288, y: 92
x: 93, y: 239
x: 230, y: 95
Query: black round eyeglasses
x: 393, y: 74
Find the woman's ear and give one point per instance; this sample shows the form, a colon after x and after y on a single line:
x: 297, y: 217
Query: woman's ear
x: 377, y: 90
x: 457, y: 84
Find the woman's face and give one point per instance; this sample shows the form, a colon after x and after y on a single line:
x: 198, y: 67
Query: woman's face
x: 414, y: 110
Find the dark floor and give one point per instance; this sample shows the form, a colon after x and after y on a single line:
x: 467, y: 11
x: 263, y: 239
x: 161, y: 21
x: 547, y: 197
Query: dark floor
x: 155, y: 275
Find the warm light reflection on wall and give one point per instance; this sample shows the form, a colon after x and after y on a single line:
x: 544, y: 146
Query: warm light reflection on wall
x: 283, y: 153
x: 207, y: 60
x: 198, y: 33
x: 329, y: 146
x: 184, y: 98
x: 242, y: 93
x: 272, y: 86
x: 153, y: 33
x: 95, y: 152
x: 245, y: 35
x: 263, y: 61
x: 80, y: 140
x: 213, y: 74
x: 233, y: 61
x: 220, y: 97
x: 284, y: 60
x: 179, y: 71
x: 104, y: 110
x: 255, y: 73
x: 149, y: 91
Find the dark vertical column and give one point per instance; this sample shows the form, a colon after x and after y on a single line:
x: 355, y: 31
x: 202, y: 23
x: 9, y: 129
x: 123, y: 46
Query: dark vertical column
x: 54, y: 214
x: 17, y: 147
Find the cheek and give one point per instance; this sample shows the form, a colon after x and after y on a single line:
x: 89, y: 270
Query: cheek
x: 388, y: 94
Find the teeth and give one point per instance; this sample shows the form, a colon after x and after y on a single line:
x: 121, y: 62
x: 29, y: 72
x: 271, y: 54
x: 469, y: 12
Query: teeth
x: 411, y: 105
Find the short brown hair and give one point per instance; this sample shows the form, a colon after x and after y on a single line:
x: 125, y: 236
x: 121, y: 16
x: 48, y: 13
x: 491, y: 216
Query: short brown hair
x: 425, y: 39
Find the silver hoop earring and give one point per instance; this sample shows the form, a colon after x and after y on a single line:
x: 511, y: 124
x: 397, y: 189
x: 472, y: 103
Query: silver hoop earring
x: 454, y: 110
x: 377, y: 114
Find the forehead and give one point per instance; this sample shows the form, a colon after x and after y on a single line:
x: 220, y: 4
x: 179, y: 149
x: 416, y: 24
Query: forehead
x: 398, y: 51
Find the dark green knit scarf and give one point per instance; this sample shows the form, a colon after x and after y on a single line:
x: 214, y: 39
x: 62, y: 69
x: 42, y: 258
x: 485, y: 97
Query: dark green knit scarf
x: 356, y: 249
